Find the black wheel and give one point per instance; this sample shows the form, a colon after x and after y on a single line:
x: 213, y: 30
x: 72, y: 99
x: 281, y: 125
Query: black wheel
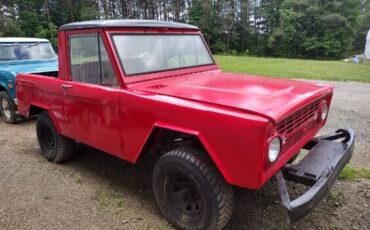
x: 190, y: 191
x: 8, y: 109
x: 54, y: 147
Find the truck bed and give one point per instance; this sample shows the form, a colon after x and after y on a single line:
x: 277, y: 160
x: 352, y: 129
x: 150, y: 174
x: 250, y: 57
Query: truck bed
x: 48, y: 74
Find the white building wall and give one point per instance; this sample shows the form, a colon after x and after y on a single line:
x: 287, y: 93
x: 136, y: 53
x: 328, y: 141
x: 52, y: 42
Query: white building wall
x: 367, y: 47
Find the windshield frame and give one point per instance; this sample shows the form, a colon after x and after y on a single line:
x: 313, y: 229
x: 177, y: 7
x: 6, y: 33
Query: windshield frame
x: 139, y: 76
x: 29, y: 44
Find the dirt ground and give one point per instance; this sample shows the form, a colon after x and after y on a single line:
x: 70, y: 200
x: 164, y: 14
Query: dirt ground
x: 97, y: 191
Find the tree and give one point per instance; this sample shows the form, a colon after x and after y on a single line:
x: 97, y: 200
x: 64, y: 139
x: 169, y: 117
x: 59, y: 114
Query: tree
x: 289, y: 28
x: 316, y: 29
x: 50, y: 31
x: 270, y: 21
x: 360, y: 40
x: 205, y: 14
x: 10, y: 28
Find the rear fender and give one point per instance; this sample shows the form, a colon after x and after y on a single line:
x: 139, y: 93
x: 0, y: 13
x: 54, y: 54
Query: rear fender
x: 45, y: 108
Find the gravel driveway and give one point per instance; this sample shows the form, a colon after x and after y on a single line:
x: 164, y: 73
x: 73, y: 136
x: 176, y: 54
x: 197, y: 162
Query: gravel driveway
x: 351, y: 109
x: 97, y: 191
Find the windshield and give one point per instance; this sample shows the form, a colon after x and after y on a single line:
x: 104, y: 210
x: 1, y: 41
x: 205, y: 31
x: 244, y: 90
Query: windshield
x: 25, y: 51
x: 153, y: 53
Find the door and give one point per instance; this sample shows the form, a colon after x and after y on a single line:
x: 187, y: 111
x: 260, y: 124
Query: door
x: 92, y: 94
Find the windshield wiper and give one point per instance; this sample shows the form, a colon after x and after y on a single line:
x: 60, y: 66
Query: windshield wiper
x: 18, y: 44
x: 9, y: 45
x: 35, y: 44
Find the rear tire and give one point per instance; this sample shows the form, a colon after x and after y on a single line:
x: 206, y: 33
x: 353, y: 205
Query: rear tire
x: 54, y: 147
x: 190, y: 191
x: 8, y: 109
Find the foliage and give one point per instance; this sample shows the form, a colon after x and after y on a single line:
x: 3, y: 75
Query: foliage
x: 10, y: 28
x: 287, y: 28
x: 316, y: 29
x: 364, y: 22
x: 48, y: 32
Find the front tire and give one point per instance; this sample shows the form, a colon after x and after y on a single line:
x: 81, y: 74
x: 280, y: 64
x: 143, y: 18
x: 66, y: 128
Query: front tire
x: 8, y: 109
x: 54, y: 147
x: 190, y: 191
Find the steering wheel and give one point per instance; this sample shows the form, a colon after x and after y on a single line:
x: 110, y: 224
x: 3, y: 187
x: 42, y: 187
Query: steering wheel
x: 180, y: 58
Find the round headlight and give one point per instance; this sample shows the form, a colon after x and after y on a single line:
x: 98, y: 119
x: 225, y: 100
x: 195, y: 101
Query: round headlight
x: 324, y: 111
x: 274, y: 149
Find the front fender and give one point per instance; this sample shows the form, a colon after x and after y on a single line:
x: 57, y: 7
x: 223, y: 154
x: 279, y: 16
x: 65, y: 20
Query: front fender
x: 234, y: 140
x: 203, y: 140
x: 7, y: 78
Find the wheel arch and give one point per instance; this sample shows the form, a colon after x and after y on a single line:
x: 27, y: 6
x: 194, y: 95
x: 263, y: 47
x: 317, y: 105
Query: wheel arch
x: 2, y: 87
x: 36, y: 109
x: 162, y: 131
x: 5, y: 76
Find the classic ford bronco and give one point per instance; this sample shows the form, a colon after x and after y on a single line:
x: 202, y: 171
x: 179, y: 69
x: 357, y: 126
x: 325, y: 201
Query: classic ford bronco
x: 136, y: 89
x: 26, y: 55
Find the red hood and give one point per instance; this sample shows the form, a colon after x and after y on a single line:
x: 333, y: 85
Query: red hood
x: 268, y: 97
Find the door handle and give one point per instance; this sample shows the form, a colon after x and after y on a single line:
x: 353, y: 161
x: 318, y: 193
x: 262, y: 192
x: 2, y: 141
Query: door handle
x: 65, y: 87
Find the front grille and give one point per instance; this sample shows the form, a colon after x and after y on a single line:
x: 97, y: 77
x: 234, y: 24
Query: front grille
x: 295, y: 126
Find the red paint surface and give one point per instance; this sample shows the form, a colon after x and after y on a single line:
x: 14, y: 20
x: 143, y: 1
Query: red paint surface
x: 233, y: 115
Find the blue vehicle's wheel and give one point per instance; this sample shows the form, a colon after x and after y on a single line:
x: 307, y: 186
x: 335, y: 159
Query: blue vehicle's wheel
x: 8, y: 109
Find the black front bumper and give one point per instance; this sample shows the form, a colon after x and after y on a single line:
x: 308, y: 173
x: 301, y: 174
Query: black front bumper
x: 318, y: 169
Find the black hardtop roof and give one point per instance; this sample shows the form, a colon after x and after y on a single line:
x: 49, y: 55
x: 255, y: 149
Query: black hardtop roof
x: 126, y: 23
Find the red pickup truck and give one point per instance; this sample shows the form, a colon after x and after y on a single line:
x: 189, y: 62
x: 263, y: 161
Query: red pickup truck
x: 136, y: 89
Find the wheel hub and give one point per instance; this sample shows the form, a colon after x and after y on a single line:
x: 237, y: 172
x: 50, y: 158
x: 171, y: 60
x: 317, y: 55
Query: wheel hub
x: 184, y: 197
x: 5, y: 108
x: 48, y: 138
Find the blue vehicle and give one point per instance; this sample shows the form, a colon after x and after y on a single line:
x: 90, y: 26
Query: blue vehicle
x: 22, y: 55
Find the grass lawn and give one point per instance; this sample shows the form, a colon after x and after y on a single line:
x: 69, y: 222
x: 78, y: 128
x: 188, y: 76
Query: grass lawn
x: 350, y: 173
x: 293, y: 68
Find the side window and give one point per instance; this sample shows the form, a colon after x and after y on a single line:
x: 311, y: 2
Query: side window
x: 108, y: 76
x: 89, y: 60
